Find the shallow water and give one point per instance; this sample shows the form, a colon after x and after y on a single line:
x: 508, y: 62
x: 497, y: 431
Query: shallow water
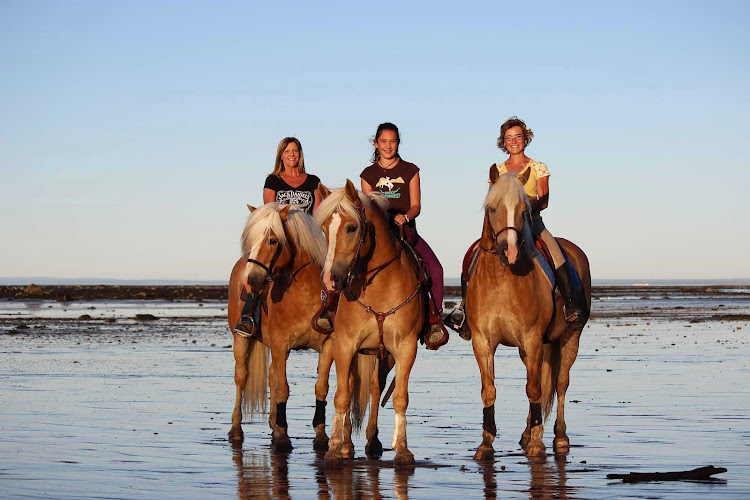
x: 141, y: 409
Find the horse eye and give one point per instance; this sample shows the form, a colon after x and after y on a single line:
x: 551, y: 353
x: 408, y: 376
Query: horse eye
x: 272, y: 241
x: 492, y: 210
x: 351, y: 229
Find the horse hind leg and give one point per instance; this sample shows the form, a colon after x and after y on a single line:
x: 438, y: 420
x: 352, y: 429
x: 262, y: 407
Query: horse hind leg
x: 325, y: 360
x: 485, y: 356
x: 240, y: 351
x: 374, y: 448
x: 568, y: 354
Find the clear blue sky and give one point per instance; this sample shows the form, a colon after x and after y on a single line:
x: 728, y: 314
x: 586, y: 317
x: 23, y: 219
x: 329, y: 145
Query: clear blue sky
x: 133, y: 133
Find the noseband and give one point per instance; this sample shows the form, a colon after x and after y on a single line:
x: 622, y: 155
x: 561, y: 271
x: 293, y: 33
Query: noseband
x: 269, y: 269
x: 495, y: 234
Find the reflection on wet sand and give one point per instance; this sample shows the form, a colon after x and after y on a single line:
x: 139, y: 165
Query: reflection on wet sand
x: 547, y: 478
x: 264, y: 473
x: 261, y: 473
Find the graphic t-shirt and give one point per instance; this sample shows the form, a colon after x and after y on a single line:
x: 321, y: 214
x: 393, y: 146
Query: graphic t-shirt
x: 302, y: 196
x: 393, y: 183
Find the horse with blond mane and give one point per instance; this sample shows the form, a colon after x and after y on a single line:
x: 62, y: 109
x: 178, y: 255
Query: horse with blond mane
x: 509, y: 301
x: 381, y: 312
x: 282, y: 251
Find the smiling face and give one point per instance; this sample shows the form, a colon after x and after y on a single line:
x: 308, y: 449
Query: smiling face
x: 387, y: 145
x: 290, y: 156
x: 514, y: 140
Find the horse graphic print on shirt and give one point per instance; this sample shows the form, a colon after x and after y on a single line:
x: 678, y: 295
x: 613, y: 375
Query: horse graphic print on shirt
x: 386, y: 186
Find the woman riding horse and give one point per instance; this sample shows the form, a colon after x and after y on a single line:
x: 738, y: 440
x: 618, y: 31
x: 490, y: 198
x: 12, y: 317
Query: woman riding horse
x: 398, y: 180
x: 534, y: 175
x: 288, y: 184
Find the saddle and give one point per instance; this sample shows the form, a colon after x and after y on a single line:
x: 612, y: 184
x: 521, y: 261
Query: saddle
x: 541, y: 257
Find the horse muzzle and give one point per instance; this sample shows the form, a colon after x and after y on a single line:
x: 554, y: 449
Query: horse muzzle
x: 334, y: 280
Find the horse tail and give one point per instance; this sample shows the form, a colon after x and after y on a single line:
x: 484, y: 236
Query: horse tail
x: 361, y: 371
x: 255, y: 396
x: 550, y: 369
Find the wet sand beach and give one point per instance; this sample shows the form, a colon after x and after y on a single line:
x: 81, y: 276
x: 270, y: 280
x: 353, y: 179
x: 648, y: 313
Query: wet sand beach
x: 127, y: 393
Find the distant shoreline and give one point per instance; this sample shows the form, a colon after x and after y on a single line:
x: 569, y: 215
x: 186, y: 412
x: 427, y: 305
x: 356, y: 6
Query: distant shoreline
x: 70, y: 293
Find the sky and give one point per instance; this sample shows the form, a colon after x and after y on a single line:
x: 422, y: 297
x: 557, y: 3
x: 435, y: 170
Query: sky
x: 132, y: 134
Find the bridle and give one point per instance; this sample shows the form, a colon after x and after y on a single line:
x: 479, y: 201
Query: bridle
x: 495, y: 234
x: 365, y: 231
x: 271, y: 274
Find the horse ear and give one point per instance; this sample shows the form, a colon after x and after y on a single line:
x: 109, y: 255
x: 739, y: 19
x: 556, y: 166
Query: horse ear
x: 351, y: 191
x: 251, y: 208
x: 494, y: 174
x: 284, y: 212
x: 324, y: 192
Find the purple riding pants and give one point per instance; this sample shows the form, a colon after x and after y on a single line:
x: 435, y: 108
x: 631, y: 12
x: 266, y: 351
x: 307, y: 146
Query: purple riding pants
x: 434, y: 269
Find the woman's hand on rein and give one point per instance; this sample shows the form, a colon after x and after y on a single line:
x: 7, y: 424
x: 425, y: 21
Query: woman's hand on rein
x: 400, y: 220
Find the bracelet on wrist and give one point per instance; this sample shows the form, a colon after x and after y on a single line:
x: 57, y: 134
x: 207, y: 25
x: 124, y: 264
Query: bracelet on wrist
x: 406, y: 217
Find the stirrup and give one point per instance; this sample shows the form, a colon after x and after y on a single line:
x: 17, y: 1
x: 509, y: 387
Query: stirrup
x: 573, y: 315
x: 246, y: 328
x: 436, y: 329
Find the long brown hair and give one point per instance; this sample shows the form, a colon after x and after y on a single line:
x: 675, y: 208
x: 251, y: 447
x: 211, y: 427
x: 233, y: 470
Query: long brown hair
x: 511, y: 122
x: 381, y: 128
x: 279, y: 165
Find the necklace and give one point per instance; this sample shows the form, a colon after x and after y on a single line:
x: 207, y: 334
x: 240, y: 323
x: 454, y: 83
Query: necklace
x: 393, y: 164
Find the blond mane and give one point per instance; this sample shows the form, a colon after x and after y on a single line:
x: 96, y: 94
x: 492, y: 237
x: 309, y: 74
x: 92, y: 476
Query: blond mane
x: 506, y: 191
x: 338, y: 201
x: 305, y: 235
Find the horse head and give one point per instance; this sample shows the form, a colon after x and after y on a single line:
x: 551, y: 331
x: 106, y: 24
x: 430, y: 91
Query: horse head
x: 505, y: 207
x: 345, y: 216
x: 267, y: 243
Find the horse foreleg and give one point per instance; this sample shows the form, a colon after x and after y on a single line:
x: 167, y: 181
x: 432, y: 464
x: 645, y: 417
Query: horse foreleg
x: 340, y: 431
x: 240, y: 351
x: 533, y: 360
x: 568, y: 353
x: 404, y: 356
x: 279, y: 437
x: 325, y: 360
x: 485, y: 356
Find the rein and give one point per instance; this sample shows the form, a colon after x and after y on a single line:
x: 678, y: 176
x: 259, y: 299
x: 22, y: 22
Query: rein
x: 379, y: 316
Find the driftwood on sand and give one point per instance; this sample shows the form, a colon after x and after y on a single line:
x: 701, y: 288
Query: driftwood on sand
x: 695, y: 474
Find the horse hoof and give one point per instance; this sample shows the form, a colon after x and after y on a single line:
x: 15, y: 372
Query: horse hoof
x: 333, y: 460
x: 236, y: 434
x: 561, y: 446
x: 403, y: 460
x: 536, y: 450
x: 525, y: 440
x: 320, y: 443
x: 484, y: 454
x: 282, y: 444
x: 374, y: 449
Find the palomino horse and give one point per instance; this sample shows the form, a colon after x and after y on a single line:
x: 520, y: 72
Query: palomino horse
x: 282, y: 254
x: 381, y: 311
x: 510, y: 302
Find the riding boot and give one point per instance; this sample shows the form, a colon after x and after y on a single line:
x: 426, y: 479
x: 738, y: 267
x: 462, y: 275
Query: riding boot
x: 248, y: 325
x: 456, y: 319
x: 322, y: 321
x: 572, y: 307
x: 437, y: 336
